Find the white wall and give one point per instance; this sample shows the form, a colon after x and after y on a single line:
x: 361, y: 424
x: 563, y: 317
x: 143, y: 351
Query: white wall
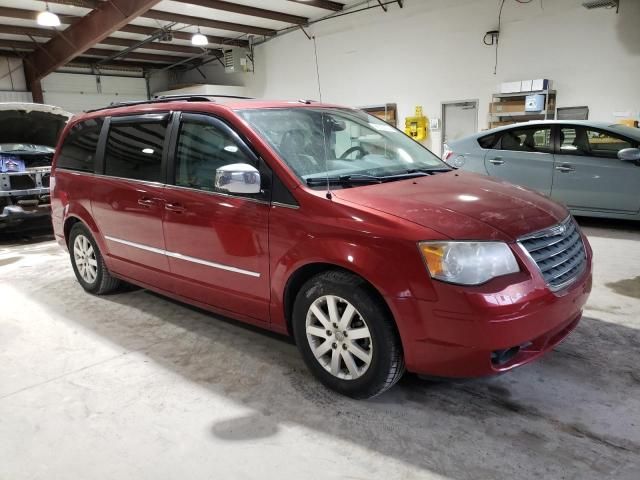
x: 78, y: 92
x: 431, y: 51
x: 206, y: 89
x: 13, y: 87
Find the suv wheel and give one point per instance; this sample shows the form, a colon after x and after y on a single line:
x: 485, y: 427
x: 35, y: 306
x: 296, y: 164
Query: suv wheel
x: 346, y: 336
x: 87, y: 262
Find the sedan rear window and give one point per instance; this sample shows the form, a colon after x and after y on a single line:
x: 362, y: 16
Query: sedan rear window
x: 488, y: 141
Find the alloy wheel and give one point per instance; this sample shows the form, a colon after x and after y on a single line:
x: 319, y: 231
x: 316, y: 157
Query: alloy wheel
x: 85, y: 259
x: 339, y: 337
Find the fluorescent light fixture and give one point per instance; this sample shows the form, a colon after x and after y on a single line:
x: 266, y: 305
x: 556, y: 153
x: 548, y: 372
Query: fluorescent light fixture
x: 148, y: 151
x: 231, y: 148
x: 199, y: 39
x: 48, y: 18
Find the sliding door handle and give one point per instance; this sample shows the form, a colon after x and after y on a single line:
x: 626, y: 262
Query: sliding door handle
x: 174, y: 207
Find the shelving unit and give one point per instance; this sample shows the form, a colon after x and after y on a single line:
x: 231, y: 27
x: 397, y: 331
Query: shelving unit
x: 513, y: 113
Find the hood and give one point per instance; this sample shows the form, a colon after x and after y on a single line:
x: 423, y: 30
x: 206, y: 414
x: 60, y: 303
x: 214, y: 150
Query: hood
x: 461, y: 205
x: 31, y: 123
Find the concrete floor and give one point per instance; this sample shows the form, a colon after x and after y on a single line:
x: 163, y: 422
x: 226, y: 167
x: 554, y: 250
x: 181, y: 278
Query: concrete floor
x: 133, y: 386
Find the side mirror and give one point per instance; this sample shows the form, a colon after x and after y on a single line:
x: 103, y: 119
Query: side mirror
x: 629, y: 154
x: 238, y: 178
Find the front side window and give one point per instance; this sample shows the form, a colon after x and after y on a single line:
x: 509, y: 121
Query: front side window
x: 604, y: 144
x: 331, y: 142
x: 527, y: 140
x: 588, y: 142
x: 134, y: 150
x: 78, y: 149
x: 202, y: 149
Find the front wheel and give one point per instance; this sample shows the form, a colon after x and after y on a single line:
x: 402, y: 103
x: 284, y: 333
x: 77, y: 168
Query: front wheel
x: 345, y: 335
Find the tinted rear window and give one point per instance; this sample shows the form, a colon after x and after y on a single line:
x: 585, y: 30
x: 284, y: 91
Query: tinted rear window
x: 134, y: 150
x: 488, y: 141
x: 78, y: 150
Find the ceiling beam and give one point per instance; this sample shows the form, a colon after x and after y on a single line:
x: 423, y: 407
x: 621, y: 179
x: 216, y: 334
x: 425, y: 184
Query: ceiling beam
x: 148, y: 57
x: 83, y: 34
x: 120, y: 42
x: 137, y: 29
x: 83, y: 61
x: 326, y: 4
x: 206, y: 22
x: 148, y: 31
x: 104, y: 52
x: 247, y: 10
x: 215, y: 5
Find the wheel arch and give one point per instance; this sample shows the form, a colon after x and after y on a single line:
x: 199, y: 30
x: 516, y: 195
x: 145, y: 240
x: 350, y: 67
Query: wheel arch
x: 305, y: 272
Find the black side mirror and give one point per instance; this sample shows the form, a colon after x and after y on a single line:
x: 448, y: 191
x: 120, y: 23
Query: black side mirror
x: 629, y: 155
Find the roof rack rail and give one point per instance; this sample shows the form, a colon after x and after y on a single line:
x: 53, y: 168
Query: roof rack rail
x: 168, y: 98
x: 206, y: 96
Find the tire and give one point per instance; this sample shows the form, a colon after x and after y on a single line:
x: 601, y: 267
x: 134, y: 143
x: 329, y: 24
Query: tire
x: 87, y: 262
x: 367, y: 360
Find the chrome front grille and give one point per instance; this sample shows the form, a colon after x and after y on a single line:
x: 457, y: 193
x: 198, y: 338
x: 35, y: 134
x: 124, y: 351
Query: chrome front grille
x: 559, y: 253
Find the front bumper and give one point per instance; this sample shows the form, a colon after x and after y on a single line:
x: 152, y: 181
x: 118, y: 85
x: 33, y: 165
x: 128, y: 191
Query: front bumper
x: 20, y: 206
x: 461, y: 334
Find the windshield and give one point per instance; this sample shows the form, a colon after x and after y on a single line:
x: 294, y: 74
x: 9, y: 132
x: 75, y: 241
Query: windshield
x: 24, y: 148
x: 353, y: 143
x: 630, y: 131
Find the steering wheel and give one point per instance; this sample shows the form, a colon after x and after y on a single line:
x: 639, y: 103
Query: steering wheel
x: 349, y: 151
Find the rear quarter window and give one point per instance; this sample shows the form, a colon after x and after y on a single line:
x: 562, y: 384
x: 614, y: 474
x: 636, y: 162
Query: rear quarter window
x: 78, y: 150
x: 488, y: 141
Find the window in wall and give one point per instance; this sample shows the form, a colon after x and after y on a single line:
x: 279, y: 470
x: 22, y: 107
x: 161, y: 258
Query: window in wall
x: 527, y: 140
x: 134, y: 150
x: 202, y: 149
x: 79, y: 148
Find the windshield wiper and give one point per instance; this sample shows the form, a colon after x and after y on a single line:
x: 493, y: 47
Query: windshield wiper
x: 355, y: 179
x: 361, y: 179
x: 429, y: 171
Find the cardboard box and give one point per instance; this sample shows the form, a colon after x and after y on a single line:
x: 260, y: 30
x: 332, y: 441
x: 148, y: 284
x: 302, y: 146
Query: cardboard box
x: 510, y: 87
x: 540, y: 84
x: 534, y: 103
x: 526, y: 85
x: 507, y: 106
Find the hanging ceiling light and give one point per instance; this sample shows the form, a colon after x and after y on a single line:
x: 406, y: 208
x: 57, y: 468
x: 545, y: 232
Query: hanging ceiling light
x: 48, y: 18
x: 199, y: 39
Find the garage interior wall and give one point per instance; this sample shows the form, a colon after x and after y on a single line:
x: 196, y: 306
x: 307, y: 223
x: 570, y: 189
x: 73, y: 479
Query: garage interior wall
x: 76, y: 93
x: 13, y: 87
x: 431, y: 51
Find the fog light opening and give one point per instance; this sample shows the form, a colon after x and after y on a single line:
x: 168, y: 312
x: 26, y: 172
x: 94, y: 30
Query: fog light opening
x: 501, y: 357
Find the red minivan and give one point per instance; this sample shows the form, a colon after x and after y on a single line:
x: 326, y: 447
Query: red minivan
x: 324, y: 223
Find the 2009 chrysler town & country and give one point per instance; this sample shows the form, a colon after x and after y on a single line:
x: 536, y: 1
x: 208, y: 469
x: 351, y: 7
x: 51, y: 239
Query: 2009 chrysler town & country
x: 324, y: 223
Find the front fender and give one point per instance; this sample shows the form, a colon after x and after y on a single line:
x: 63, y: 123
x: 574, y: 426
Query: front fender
x: 392, y: 266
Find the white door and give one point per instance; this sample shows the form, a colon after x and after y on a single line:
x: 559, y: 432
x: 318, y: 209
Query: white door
x: 459, y: 119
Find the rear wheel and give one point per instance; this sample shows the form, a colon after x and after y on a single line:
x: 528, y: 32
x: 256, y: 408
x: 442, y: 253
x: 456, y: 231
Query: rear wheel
x: 345, y: 335
x: 87, y: 262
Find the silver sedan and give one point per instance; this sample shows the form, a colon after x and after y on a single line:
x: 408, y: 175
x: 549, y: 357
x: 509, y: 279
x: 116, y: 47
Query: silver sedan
x: 592, y: 167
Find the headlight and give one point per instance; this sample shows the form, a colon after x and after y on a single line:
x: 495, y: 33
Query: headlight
x: 468, y: 263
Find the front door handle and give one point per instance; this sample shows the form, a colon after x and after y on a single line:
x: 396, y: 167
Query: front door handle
x: 496, y: 161
x: 146, y: 202
x: 174, y: 207
x: 565, y: 168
